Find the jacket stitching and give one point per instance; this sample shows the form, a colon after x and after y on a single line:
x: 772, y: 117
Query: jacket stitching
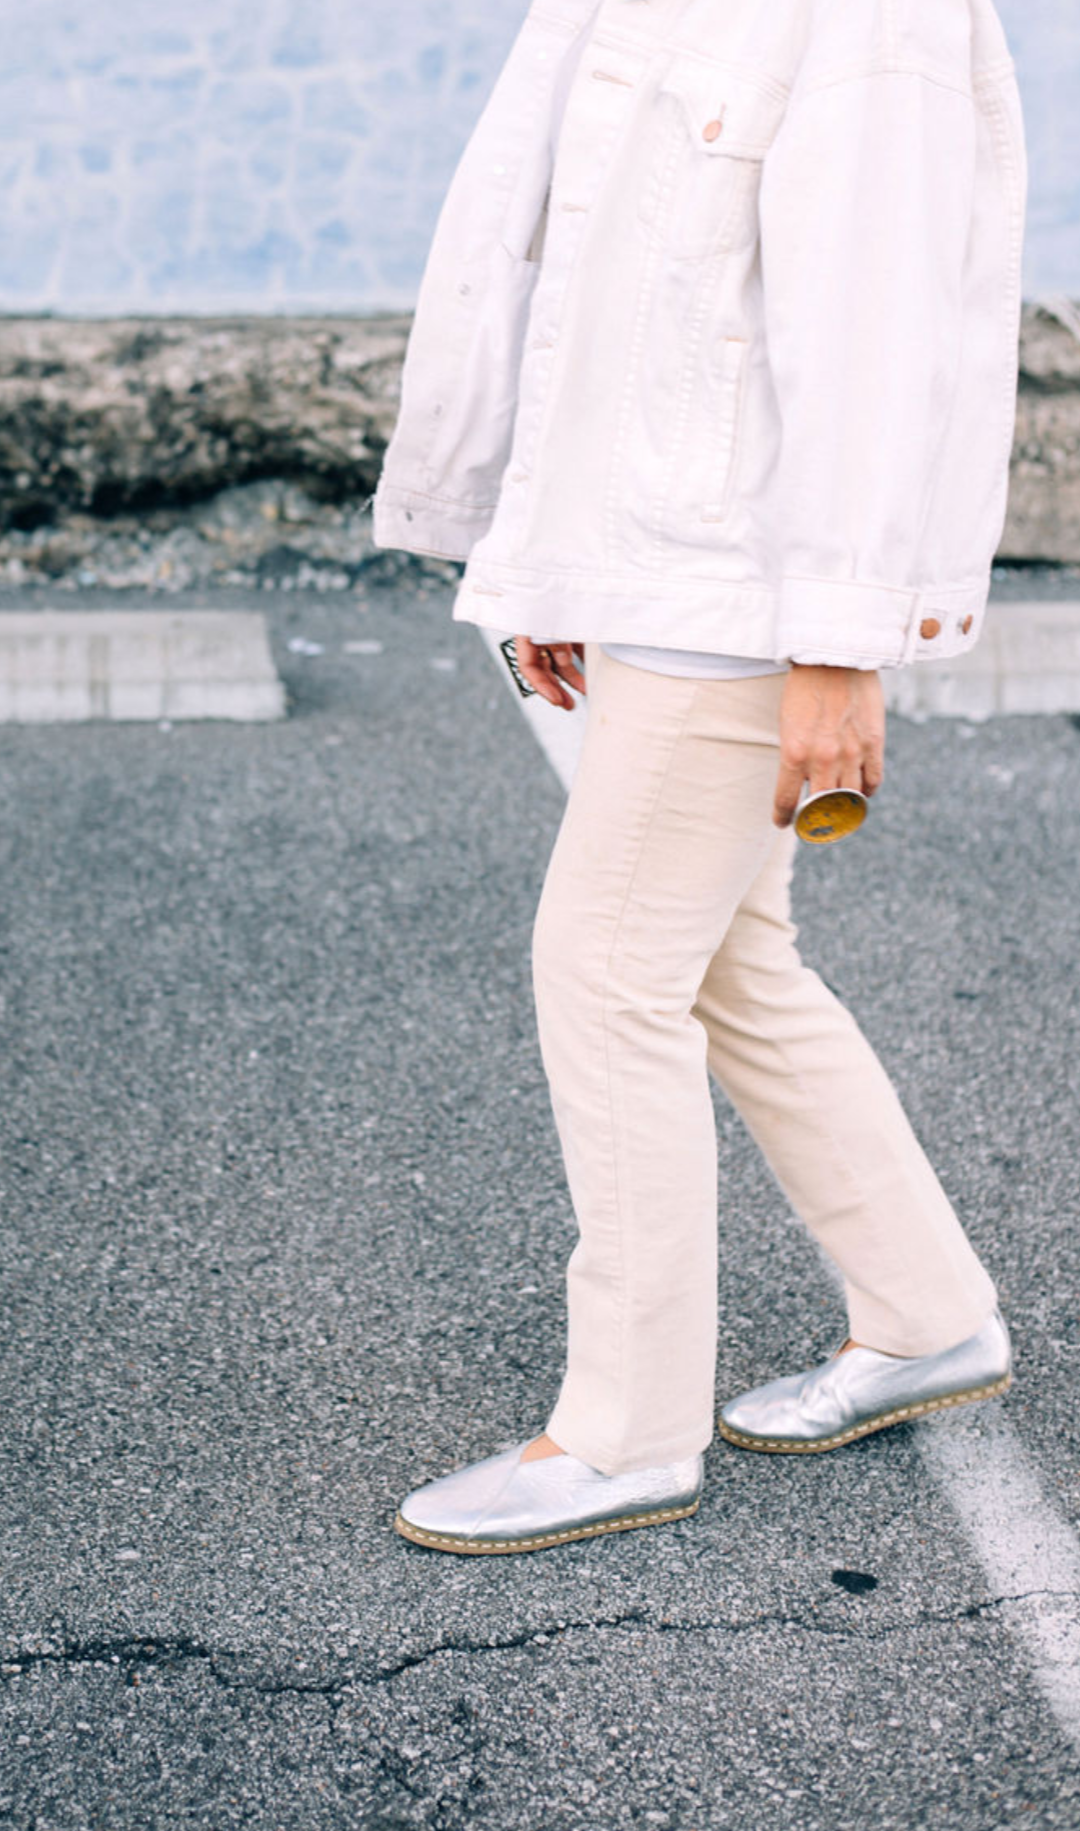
x: 450, y: 502
x: 622, y: 423
x: 817, y: 578
x: 731, y: 417
x: 661, y: 507
x: 991, y: 75
x: 770, y: 86
x: 635, y: 581
x: 996, y: 114
x: 960, y: 590
x: 883, y: 67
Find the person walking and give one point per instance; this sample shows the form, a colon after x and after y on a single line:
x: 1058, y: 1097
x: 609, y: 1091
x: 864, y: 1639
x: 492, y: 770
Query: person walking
x: 711, y: 384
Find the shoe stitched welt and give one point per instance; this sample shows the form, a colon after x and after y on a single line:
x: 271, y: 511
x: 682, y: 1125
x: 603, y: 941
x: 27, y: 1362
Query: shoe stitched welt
x: 541, y: 1540
x: 792, y: 1447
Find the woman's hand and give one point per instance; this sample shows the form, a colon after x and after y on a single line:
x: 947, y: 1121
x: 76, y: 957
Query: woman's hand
x: 832, y: 734
x: 546, y: 665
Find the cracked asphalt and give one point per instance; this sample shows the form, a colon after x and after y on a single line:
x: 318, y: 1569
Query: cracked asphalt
x: 283, y: 1233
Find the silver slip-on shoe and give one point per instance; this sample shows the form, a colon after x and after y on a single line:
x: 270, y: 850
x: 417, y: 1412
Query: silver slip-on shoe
x: 504, y: 1504
x: 863, y: 1391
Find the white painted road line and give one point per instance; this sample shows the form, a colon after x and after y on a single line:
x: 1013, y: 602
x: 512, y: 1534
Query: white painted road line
x: 1028, y: 1551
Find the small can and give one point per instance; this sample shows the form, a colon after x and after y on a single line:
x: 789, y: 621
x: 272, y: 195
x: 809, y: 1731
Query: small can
x: 831, y: 814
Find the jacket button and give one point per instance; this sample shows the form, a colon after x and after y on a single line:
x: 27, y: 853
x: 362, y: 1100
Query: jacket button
x: 929, y: 628
x: 966, y: 625
x: 712, y: 130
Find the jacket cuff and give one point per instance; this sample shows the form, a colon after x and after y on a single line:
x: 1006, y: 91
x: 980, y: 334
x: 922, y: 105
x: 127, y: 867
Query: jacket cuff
x: 430, y: 525
x: 842, y: 623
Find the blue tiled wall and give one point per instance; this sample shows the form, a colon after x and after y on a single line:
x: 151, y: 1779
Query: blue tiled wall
x: 288, y: 155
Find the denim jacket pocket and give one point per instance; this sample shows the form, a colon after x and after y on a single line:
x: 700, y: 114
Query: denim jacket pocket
x: 695, y: 485
x: 710, y: 130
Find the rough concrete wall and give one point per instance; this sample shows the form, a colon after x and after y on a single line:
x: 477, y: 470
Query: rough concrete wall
x: 268, y: 155
x: 125, y: 416
x: 128, y: 414
x: 1043, y: 521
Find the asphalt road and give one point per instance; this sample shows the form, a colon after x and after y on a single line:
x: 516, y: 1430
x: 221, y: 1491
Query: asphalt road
x: 283, y: 1233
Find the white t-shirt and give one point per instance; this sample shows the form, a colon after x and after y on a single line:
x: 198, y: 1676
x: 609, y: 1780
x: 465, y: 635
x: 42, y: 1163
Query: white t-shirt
x: 702, y: 664
x: 698, y: 663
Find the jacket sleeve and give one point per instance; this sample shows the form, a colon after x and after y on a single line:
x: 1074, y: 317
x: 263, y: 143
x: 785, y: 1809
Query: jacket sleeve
x: 866, y: 199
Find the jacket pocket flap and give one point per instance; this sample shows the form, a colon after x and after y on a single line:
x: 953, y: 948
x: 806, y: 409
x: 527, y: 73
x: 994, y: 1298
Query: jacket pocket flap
x: 726, y: 112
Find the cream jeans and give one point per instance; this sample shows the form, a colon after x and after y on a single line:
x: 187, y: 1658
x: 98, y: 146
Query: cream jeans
x: 662, y: 949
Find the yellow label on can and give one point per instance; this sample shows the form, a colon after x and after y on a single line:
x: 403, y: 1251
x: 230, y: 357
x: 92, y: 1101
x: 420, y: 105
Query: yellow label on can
x: 832, y: 814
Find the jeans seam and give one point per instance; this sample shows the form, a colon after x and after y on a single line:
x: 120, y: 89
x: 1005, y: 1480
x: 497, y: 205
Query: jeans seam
x: 604, y: 1027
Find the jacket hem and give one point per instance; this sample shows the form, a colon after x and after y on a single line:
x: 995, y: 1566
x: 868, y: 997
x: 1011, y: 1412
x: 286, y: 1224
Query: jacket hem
x: 835, y: 622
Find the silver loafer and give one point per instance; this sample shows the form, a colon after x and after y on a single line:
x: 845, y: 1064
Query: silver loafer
x: 863, y: 1391
x: 503, y: 1504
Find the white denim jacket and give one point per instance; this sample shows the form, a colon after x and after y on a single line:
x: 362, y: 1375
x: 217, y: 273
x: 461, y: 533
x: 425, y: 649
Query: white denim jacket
x: 734, y: 368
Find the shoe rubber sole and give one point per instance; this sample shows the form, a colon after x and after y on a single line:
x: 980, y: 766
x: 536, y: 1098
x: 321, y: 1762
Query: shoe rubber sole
x: 794, y: 1446
x: 539, y: 1541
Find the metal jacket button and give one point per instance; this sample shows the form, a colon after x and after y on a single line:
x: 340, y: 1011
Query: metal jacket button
x: 929, y: 628
x: 712, y: 130
x: 966, y: 624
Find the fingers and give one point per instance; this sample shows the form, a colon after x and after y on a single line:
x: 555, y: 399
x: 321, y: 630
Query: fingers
x: 537, y: 665
x: 546, y: 665
x: 836, y: 762
x: 832, y: 735
x: 789, y: 781
x: 823, y: 767
x: 873, y: 765
x: 565, y: 664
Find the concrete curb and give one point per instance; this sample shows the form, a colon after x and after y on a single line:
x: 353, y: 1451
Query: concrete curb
x: 61, y: 666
